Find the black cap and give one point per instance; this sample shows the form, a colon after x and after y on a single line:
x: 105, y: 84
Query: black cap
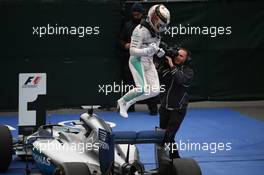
x: 138, y: 7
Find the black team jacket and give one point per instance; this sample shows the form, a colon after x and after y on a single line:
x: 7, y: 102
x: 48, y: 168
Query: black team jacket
x: 176, y: 82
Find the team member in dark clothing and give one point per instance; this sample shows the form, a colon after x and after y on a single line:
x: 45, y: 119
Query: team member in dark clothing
x: 176, y: 74
x: 125, y: 35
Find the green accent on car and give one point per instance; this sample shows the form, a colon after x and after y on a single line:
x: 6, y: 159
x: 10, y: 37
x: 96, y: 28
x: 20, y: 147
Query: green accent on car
x: 136, y: 62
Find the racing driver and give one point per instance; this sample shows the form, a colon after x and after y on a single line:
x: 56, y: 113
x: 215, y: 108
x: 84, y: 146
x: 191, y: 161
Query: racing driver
x: 144, y: 45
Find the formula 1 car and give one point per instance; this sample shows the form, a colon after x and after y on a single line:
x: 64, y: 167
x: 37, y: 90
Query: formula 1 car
x: 88, y: 147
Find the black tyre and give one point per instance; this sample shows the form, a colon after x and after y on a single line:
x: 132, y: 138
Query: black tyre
x: 186, y: 166
x: 69, y: 168
x: 6, y: 148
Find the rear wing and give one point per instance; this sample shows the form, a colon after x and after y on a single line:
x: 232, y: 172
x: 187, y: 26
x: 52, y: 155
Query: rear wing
x: 140, y: 137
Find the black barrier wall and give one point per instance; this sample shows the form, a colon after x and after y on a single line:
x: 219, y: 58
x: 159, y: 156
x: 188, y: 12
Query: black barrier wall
x: 226, y: 40
x: 76, y: 64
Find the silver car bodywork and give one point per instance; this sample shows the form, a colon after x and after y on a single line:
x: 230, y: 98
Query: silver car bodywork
x: 85, y: 147
x: 88, y: 146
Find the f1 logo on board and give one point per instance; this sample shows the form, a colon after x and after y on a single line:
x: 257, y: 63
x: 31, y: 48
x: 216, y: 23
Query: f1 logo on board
x: 32, y: 81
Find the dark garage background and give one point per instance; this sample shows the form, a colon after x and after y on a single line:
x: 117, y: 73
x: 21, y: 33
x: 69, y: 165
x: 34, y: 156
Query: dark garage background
x: 227, y: 67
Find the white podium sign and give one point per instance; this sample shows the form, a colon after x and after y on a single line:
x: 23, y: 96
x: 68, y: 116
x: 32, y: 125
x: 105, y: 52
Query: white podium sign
x: 31, y: 85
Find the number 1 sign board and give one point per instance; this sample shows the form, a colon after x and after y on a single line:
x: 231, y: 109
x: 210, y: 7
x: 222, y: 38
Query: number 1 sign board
x: 32, y: 91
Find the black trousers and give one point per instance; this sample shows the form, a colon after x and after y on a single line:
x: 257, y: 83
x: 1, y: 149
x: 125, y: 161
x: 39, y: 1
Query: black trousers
x: 171, y: 120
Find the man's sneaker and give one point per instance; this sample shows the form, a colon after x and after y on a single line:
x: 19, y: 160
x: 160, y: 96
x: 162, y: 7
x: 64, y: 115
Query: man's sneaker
x: 122, y: 108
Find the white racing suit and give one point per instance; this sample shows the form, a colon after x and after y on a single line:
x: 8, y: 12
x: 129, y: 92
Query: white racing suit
x: 142, y: 67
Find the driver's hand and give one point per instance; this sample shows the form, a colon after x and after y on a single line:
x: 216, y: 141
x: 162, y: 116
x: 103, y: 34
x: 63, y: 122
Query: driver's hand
x: 160, y: 53
x: 152, y: 49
